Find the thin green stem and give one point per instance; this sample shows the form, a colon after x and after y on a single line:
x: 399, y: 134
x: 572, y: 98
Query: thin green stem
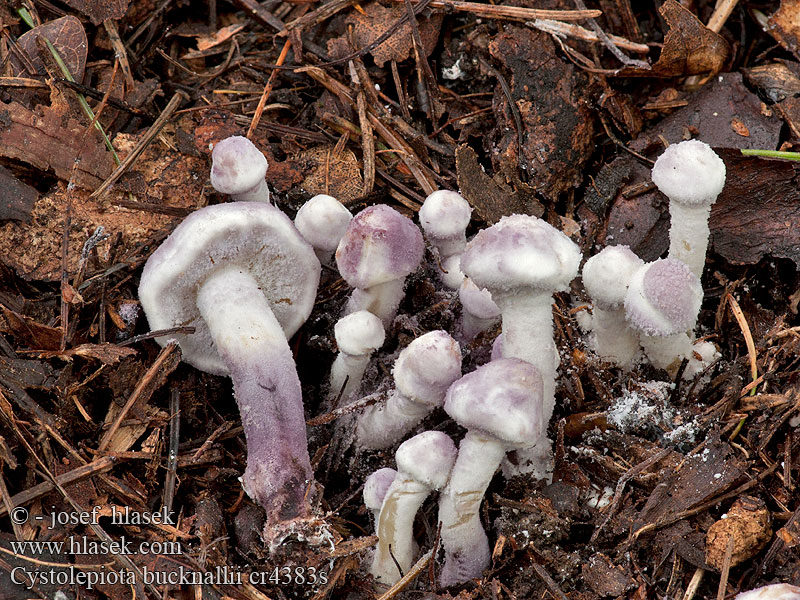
x: 771, y: 153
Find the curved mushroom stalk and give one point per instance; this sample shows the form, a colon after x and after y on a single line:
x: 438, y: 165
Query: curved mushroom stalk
x: 251, y: 343
x: 459, y: 508
x: 689, y: 234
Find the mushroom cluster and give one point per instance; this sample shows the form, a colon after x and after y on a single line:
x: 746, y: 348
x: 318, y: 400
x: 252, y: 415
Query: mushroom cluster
x: 245, y: 277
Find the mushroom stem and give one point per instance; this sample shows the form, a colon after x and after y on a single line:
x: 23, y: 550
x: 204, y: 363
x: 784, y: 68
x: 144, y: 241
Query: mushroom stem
x: 396, y: 527
x: 615, y: 340
x: 527, y: 330
x: 260, y: 193
x: 688, y: 234
x: 381, y: 300
x: 347, y: 372
x: 254, y: 348
x: 667, y: 352
x: 463, y: 537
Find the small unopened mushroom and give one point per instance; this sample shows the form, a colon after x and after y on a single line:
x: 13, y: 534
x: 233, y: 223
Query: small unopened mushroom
x: 691, y: 175
x: 358, y: 335
x: 523, y: 261
x: 606, y: 276
x: 444, y: 217
x: 378, y: 250
x: 423, y: 465
x: 245, y: 279
x: 479, y: 311
x: 322, y: 220
x: 422, y: 373
x: 500, y: 405
x: 662, y: 303
x: 776, y: 591
x: 375, y: 488
x: 238, y: 169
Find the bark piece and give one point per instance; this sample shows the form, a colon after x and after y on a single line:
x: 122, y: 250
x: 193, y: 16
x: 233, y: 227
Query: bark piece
x: 748, y: 523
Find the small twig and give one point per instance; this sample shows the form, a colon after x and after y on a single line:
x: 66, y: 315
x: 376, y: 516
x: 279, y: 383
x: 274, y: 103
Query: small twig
x: 320, y: 14
x: 172, y: 453
x: 621, y: 56
x: 576, y: 31
x: 120, y: 52
x: 748, y: 337
x: 548, y: 581
x: 722, y: 11
x: 268, y: 90
x: 726, y: 568
x: 418, y: 567
x: 697, y: 578
x: 512, y: 12
x: 148, y: 137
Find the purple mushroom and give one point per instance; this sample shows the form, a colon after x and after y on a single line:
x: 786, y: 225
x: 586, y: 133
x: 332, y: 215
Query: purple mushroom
x: 662, y: 303
x: 422, y: 373
x: 378, y: 250
x: 522, y: 261
x: 423, y: 465
x: 500, y: 405
x: 444, y: 217
x: 245, y: 279
x: 238, y: 169
x: 375, y: 488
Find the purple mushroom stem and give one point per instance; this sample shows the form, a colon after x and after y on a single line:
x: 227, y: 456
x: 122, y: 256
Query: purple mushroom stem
x: 252, y: 345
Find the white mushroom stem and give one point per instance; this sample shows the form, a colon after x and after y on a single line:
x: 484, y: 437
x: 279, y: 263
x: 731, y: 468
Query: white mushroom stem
x: 347, y: 371
x: 396, y: 527
x: 614, y: 339
x: 459, y: 503
x: 254, y: 348
x: 260, y: 193
x: 688, y: 234
x: 381, y: 300
x: 381, y: 426
x: 666, y: 352
x: 528, y: 335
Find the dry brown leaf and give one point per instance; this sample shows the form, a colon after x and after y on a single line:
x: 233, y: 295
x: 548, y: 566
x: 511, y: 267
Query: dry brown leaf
x: 161, y: 178
x: 108, y: 354
x: 373, y: 23
x: 100, y: 10
x: 52, y: 142
x: 31, y: 332
x: 204, y: 42
x: 67, y: 36
x: 327, y: 172
x: 690, y: 48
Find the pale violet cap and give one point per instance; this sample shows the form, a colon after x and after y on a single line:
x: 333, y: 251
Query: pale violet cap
x: 237, y: 165
x: 445, y: 215
x: 255, y: 236
x: 663, y: 298
x: 502, y: 398
x: 376, y: 486
x: 477, y: 301
x: 322, y: 220
x: 606, y: 275
x: 428, y: 458
x: 359, y: 333
x: 690, y: 173
x: 521, y: 251
x: 427, y: 366
x: 380, y: 245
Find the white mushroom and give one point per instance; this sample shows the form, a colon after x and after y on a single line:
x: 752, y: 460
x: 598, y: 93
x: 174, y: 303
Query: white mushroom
x: 423, y: 465
x: 479, y: 311
x: 322, y: 220
x: 375, y: 488
x: 444, y: 217
x: 238, y: 169
x: 358, y: 335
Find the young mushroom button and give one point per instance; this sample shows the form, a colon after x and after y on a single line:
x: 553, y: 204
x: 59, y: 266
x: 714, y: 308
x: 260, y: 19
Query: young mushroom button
x: 245, y: 279
x: 322, y: 220
x: 522, y: 261
x: 375, y: 488
x: 238, y: 169
x: 444, y: 217
x: 500, y: 405
x: 691, y: 175
x: 606, y: 276
x: 423, y: 465
x: 378, y: 250
x: 358, y: 335
x: 776, y: 591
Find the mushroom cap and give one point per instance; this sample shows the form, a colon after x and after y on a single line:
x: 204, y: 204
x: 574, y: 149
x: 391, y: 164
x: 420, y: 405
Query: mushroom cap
x: 237, y: 165
x: 690, y: 173
x: 502, y: 398
x: 477, y: 301
x: 322, y: 220
x: 776, y: 591
x: 427, y: 366
x: 428, y: 458
x: 359, y: 333
x: 255, y: 236
x: 521, y: 251
x: 444, y: 214
x: 663, y: 298
x: 376, y: 485
x: 606, y: 275
x: 379, y: 245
